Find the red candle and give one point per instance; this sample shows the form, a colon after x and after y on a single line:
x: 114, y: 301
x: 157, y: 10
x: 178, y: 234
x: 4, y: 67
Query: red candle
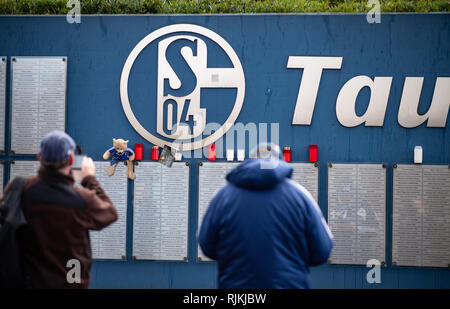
x: 287, y: 154
x: 155, y: 153
x: 312, y: 153
x: 138, y: 151
x: 212, y: 152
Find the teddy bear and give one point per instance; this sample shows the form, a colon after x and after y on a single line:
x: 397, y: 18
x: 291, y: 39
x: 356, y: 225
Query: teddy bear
x: 120, y: 153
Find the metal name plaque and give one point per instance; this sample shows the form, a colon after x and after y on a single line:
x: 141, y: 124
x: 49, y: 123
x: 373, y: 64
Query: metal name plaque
x: 161, y: 211
x: 110, y: 243
x: 38, y: 100
x: 421, y: 215
x: 357, y: 212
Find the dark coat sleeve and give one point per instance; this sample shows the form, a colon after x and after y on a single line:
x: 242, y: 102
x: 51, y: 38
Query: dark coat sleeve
x: 100, y: 210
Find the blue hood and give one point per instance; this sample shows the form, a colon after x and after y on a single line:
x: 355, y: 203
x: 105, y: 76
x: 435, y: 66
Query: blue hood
x: 264, y: 231
x: 260, y: 174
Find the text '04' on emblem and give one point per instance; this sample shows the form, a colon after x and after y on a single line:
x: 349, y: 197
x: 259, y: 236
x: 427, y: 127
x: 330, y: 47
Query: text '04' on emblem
x: 172, y: 109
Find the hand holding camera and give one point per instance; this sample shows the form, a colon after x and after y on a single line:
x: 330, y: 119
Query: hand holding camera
x: 87, y: 167
x: 82, y: 167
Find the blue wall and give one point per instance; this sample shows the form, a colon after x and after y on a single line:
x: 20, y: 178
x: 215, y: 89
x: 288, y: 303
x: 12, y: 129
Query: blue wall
x: 402, y: 45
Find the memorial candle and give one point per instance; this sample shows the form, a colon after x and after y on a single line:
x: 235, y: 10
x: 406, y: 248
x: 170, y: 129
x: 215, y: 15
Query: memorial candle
x: 138, y: 151
x: 155, y: 153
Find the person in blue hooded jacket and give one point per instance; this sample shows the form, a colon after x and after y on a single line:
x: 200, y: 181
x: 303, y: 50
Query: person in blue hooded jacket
x: 264, y: 230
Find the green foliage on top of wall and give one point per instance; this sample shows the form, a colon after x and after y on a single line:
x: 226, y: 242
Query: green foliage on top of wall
x: 51, y: 7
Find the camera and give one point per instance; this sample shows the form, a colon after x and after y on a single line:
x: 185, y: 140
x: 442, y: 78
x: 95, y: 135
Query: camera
x: 77, y: 162
x: 76, y: 168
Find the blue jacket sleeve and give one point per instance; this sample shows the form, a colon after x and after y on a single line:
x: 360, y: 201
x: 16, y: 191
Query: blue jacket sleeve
x: 319, y: 236
x: 209, y: 230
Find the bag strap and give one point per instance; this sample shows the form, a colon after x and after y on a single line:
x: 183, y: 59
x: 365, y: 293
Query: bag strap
x: 15, y: 213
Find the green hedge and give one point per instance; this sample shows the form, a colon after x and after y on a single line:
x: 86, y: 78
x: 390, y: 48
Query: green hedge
x: 44, y: 7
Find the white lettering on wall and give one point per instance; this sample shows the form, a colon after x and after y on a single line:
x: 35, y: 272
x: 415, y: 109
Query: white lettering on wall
x: 380, y: 87
x: 309, y: 85
x: 379, y: 95
x: 438, y: 111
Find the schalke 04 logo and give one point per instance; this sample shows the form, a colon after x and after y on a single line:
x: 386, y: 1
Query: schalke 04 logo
x: 173, y: 130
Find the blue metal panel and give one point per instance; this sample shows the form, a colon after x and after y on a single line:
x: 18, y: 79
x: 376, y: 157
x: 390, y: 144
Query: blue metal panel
x: 402, y: 45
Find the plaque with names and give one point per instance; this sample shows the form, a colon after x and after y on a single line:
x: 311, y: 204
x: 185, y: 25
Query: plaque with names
x: 24, y: 169
x: 161, y: 211
x: 211, y: 178
x: 2, y: 102
x: 38, y: 100
x: 421, y: 216
x: 357, y: 212
x: 307, y: 175
x: 110, y: 243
